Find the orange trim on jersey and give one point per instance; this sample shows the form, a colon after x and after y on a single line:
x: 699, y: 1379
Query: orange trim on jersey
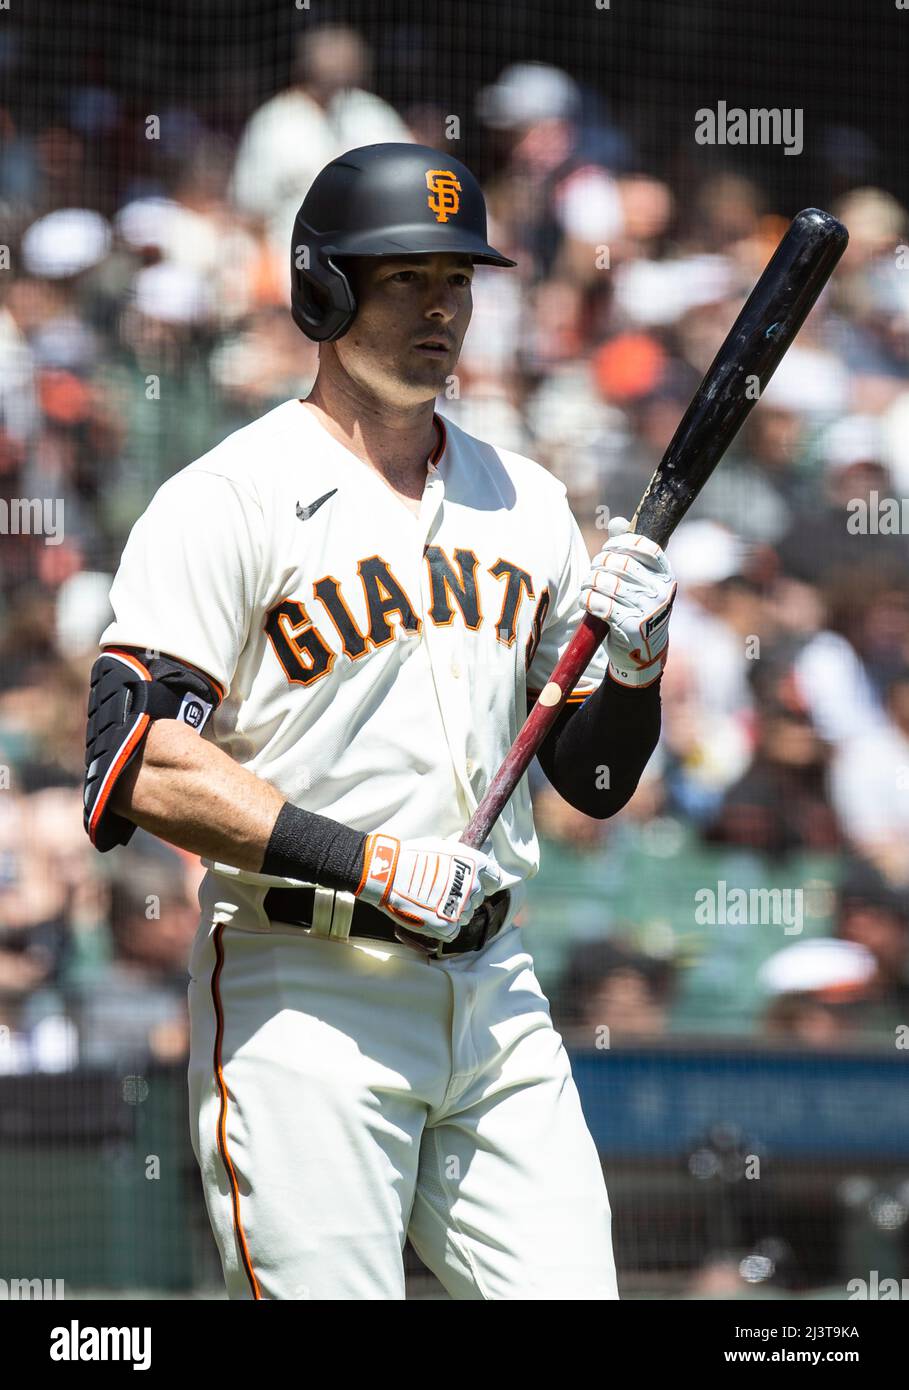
x: 222, y: 1115
x: 363, y: 636
x: 293, y: 636
x: 511, y: 568
x: 370, y: 640
x: 576, y: 697
x: 450, y: 591
x: 131, y: 660
x: 439, y: 450
x: 130, y: 656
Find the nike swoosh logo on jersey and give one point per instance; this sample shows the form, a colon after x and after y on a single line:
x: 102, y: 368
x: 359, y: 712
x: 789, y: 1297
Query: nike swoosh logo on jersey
x: 304, y: 513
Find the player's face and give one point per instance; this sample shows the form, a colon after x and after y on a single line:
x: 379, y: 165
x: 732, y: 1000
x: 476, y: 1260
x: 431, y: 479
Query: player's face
x: 412, y: 314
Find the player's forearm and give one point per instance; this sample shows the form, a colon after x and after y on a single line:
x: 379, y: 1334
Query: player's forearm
x: 191, y: 793
x: 595, y: 753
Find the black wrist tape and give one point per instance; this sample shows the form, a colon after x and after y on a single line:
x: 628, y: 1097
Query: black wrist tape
x: 315, y: 849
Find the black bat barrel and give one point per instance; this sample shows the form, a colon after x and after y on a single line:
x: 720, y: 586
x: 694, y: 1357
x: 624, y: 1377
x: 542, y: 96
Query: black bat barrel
x: 761, y: 335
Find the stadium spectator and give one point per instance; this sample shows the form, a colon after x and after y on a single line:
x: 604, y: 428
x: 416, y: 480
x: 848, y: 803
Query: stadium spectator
x: 35, y: 900
x: 874, y: 915
x: 842, y: 530
x: 780, y: 805
x: 705, y: 557
x: 843, y: 669
x: 133, y: 1010
x: 613, y: 986
x: 326, y: 110
x: 815, y: 991
x: 869, y: 784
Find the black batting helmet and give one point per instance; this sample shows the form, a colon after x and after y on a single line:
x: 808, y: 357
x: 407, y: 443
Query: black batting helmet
x: 379, y: 200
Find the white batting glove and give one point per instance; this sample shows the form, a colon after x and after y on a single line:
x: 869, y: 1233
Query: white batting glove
x: 632, y: 588
x: 432, y: 885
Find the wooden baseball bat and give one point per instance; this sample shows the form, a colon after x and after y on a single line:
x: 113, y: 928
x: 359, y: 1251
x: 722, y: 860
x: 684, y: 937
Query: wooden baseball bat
x: 753, y: 349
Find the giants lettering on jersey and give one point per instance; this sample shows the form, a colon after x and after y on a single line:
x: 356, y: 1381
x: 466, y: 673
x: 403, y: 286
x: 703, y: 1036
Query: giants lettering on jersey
x: 375, y: 657
x: 306, y: 656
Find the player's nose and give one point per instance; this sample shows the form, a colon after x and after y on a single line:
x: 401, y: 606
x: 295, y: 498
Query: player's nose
x: 442, y: 307
x: 442, y: 300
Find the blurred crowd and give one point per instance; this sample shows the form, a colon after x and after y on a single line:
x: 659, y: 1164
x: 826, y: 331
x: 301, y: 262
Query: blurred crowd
x: 144, y: 316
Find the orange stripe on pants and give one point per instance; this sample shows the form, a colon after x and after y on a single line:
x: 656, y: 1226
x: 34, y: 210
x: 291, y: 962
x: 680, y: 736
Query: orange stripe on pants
x: 222, y: 1116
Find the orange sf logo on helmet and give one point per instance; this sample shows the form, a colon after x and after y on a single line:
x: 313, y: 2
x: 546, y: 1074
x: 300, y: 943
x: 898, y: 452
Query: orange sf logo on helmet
x: 443, y: 197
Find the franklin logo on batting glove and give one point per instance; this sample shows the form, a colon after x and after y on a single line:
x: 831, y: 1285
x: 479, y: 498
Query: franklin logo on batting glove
x: 461, y: 869
x: 632, y: 588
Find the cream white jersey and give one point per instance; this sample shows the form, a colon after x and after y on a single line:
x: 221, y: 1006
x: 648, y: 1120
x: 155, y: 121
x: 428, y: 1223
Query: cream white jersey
x: 374, y: 664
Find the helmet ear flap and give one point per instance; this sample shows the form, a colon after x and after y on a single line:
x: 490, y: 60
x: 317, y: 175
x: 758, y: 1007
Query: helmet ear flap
x: 323, y: 306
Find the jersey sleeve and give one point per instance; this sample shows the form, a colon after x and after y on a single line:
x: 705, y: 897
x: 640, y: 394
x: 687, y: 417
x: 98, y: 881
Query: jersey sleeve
x: 190, y: 573
x: 564, y: 614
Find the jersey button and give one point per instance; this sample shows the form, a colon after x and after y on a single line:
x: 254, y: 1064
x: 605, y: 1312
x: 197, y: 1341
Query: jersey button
x: 471, y: 766
x: 455, y: 670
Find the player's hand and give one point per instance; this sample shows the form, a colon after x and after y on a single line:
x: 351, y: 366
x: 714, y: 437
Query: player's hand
x: 432, y: 885
x: 632, y: 588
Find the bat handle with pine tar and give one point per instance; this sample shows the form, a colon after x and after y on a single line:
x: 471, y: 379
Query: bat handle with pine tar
x: 631, y: 587
x: 432, y: 886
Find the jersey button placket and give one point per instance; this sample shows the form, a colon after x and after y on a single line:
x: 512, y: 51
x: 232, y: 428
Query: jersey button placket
x: 437, y: 642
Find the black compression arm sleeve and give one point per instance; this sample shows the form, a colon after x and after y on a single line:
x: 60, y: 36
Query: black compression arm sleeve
x: 314, y: 849
x: 607, y: 740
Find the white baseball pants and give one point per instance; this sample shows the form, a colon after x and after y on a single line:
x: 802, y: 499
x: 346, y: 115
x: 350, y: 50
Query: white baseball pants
x: 347, y: 1094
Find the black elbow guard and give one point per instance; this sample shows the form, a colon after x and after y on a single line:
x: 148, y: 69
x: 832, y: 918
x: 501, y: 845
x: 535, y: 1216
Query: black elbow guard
x: 130, y: 689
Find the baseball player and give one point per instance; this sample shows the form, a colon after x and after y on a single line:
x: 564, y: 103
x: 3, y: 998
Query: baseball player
x: 328, y: 631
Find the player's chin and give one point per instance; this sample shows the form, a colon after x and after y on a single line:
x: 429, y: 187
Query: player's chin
x: 427, y: 372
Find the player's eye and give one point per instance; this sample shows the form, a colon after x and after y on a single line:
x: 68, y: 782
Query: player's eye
x: 461, y: 280
x: 403, y: 277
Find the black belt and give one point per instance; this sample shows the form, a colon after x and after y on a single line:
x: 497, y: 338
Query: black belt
x: 295, y: 906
